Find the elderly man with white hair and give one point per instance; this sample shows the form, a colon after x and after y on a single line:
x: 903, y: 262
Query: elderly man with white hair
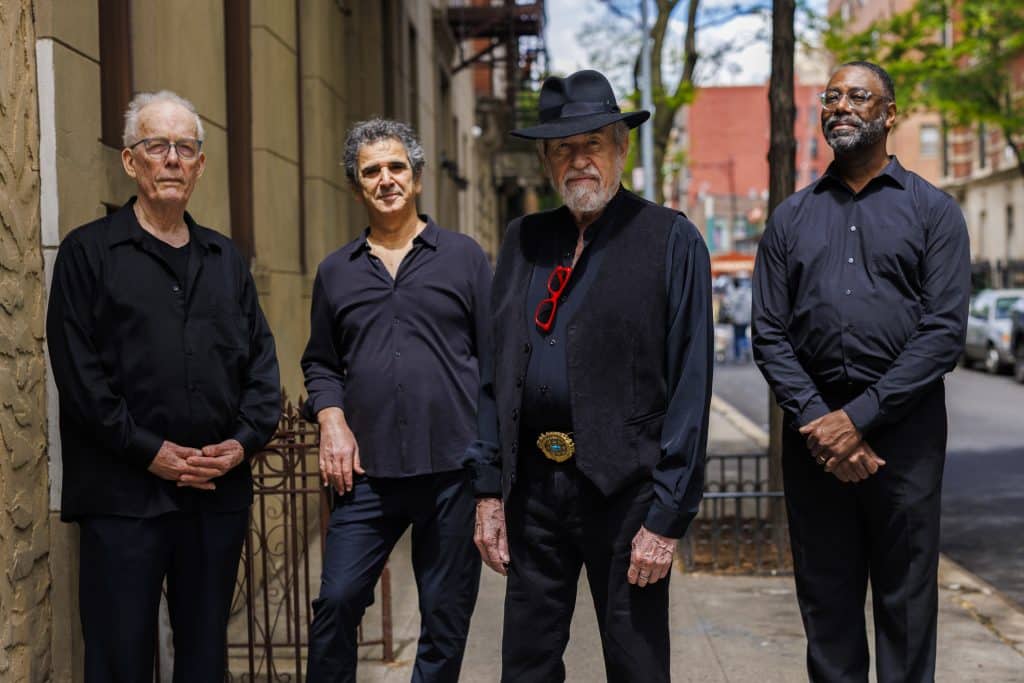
x: 168, y: 382
x: 593, y: 418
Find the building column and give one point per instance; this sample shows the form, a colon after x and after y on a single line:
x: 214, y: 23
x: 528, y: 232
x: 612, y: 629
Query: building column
x: 24, y: 528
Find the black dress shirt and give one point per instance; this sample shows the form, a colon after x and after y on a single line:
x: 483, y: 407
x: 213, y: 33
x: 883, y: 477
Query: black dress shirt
x: 861, y: 296
x: 679, y: 476
x: 140, y: 356
x: 400, y: 356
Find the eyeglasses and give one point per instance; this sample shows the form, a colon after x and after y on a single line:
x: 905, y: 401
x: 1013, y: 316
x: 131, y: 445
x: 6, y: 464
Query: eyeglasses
x: 546, y: 309
x: 159, y: 148
x: 858, y: 98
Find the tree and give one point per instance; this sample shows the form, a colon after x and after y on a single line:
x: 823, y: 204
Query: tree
x: 781, y: 183
x: 956, y: 57
x: 671, y: 87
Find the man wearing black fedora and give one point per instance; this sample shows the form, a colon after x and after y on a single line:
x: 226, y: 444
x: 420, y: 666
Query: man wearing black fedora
x: 594, y: 411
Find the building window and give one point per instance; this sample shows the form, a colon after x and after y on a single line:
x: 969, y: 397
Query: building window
x: 414, y: 79
x: 238, y: 77
x: 814, y: 174
x: 1009, y: 231
x: 930, y: 140
x: 814, y: 149
x: 945, y: 150
x: 982, y: 145
x: 115, y: 68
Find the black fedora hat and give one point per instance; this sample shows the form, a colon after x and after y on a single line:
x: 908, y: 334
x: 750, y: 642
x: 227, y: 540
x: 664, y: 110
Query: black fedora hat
x: 578, y: 103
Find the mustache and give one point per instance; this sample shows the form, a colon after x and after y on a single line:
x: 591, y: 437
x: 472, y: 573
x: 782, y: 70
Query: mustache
x: 589, y: 173
x: 849, y: 120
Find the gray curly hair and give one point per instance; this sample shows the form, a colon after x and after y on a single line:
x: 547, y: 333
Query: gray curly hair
x: 372, y: 130
x: 143, y: 100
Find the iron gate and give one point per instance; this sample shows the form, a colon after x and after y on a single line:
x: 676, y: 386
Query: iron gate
x: 281, y: 560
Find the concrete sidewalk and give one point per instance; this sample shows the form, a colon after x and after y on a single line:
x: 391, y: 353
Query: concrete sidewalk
x: 724, y: 628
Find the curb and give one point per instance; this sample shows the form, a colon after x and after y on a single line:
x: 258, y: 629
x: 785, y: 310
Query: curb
x: 989, y: 607
x: 741, y: 422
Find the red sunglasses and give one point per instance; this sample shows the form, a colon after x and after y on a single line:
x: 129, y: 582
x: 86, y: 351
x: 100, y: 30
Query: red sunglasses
x: 545, y: 314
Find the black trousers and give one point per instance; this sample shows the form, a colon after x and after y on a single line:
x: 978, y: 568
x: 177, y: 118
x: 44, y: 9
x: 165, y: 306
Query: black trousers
x: 557, y: 523
x: 365, y: 525
x: 124, y: 561
x: 885, y: 530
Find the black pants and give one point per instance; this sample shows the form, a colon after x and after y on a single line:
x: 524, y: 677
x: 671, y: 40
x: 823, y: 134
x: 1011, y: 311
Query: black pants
x: 124, y: 562
x: 885, y: 530
x: 365, y: 525
x: 559, y: 522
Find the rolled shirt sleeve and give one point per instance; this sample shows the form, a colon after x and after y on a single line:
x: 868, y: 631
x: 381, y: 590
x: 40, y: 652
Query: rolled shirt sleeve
x: 321, y: 361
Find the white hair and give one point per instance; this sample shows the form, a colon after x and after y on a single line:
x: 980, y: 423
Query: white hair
x: 143, y: 100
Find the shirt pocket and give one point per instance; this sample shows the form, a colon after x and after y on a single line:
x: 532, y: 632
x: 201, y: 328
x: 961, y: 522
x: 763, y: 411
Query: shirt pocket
x: 219, y: 328
x: 896, y: 250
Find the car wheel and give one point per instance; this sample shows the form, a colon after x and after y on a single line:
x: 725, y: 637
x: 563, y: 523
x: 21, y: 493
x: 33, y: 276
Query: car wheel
x: 992, y: 363
x: 1018, y: 368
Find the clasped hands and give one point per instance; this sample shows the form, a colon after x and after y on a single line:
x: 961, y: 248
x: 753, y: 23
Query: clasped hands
x: 836, y: 444
x: 196, y: 467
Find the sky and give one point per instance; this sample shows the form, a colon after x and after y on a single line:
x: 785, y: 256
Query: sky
x: 751, y: 65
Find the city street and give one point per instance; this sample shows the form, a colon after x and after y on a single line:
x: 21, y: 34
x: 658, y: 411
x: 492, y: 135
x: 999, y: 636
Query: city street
x: 983, y: 490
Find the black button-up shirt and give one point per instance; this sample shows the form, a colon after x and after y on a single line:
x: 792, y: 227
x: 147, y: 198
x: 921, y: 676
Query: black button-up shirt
x: 140, y: 356
x: 679, y: 476
x: 861, y: 295
x: 400, y: 356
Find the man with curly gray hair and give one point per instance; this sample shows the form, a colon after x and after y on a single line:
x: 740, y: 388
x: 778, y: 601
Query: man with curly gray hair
x: 398, y: 321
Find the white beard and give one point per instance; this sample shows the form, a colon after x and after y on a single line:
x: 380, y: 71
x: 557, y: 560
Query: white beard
x: 581, y: 198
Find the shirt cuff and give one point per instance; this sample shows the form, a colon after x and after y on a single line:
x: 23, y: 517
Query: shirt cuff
x: 863, y: 411
x: 144, y: 446
x: 250, y: 440
x: 320, y: 400
x: 483, y: 460
x: 812, y: 411
x: 666, y: 521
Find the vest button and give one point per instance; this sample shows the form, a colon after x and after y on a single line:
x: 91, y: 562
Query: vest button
x: 515, y: 413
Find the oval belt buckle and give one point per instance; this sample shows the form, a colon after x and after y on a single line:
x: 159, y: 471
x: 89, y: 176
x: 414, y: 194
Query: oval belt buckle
x: 557, y: 446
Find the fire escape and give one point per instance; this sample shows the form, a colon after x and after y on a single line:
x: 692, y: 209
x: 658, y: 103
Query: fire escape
x: 506, y: 41
x: 502, y: 42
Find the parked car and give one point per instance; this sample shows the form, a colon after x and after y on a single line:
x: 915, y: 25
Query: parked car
x: 1017, y: 339
x: 988, y: 329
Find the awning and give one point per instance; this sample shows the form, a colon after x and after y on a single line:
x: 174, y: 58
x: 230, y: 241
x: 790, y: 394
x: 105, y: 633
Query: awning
x: 731, y: 263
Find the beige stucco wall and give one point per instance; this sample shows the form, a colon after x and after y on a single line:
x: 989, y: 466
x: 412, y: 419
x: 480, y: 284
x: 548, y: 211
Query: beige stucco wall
x: 25, y: 612
x: 984, y: 203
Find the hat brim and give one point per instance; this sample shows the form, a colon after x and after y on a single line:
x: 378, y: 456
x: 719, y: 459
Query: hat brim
x: 567, y: 127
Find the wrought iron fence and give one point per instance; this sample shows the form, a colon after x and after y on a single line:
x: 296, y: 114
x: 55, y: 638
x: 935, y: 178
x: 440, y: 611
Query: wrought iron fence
x: 741, y: 524
x: 281, y: 561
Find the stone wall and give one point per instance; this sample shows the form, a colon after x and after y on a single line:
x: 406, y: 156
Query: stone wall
x: 25, y: 614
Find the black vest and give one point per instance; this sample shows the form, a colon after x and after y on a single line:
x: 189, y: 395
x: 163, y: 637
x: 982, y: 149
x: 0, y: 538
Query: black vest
x: 615, y: 346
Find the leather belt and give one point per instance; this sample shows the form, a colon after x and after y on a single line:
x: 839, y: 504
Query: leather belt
x: 557, y: 446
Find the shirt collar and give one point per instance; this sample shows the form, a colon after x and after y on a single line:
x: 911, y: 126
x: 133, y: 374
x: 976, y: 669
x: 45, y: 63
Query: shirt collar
x: 892, y: 173
x: 124, y: 227
x: 427, y: 237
